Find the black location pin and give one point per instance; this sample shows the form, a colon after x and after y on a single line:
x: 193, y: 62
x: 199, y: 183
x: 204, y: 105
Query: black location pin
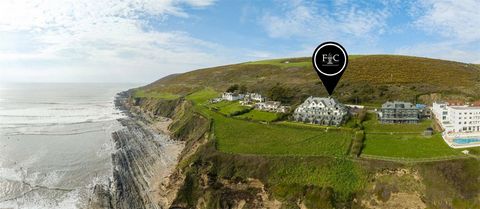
x: 330, y: 60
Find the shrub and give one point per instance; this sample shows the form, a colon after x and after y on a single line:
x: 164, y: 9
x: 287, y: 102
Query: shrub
x: 233, y: 88
x: 240, y: 112
x: 357, y: 144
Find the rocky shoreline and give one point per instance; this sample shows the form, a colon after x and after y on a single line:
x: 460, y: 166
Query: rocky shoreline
x: 144, y: 159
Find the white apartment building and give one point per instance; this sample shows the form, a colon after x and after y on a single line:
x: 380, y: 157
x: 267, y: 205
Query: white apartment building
x: 321, y: 110
x: 457, y: 118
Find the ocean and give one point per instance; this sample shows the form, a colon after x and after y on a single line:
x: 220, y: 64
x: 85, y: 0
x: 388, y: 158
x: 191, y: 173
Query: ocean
x: 55, y: 143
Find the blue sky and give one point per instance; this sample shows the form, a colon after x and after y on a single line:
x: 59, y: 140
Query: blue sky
x: 143, y: 40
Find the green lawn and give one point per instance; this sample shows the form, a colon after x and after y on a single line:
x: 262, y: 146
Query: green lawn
x: 245, y: 137
x: 258, y: 115
x: 201, y: 97
x: 154, y: 94
x: 239, y: 136
x: 407, y: 146
x: 372, y: 125
x: 229, y: 108
x: 298, y: 139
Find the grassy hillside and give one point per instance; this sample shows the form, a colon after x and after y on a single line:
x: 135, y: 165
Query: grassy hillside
x: 369, y: 79
x: 305, y: 164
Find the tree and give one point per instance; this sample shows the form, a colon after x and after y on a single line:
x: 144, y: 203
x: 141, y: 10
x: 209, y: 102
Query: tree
x: 233, y: 88
x: 280, y: 93
x: 242, y: 89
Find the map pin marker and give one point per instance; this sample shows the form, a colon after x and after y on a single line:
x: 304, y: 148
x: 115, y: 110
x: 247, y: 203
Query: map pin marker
x: 330, y: 60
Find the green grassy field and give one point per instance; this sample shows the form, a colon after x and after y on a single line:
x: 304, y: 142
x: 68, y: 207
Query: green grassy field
x: 229, y: 108
x: 372, y: 125
x: 245, y: 137
x: 298, y: 139
x: 239, y: 136
x: 403, y: 140
x: 201, y: 97
x: 258, y: 115
x: 407, y: 146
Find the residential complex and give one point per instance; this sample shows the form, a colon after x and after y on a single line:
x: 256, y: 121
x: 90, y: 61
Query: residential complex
x: 399, y: 112
x: 321, y: 110
x: 457, y: 118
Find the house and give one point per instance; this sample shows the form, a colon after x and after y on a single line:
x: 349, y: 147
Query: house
x: 268, y: 106
x: 457, y: 118
x: 232, y: 96
x: 399, y: 112
x: 256, y: 97
x: 321, y: 110
x: 272, y: 106
x: 251, y: 98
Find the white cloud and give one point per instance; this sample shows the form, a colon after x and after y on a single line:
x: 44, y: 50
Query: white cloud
x: 455, y: 26
x: 311, y: 19
x: 455, y: 19
x: 93, y: 40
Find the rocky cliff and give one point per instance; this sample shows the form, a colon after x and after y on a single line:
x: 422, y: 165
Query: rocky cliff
x: 148, y: 147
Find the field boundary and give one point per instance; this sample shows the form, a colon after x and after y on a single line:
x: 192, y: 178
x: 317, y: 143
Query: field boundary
x: 413, y: 160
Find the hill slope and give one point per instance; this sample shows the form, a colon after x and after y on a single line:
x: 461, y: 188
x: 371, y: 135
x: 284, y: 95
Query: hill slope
x: 368, y: 79
x: 239, y: 162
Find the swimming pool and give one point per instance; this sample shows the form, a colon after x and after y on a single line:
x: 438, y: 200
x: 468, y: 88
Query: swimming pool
x: 466, y: 140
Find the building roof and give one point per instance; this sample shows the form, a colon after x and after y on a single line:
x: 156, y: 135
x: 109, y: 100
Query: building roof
x: 465, y: 107
x: 398, y: 105
x: 327, y: 101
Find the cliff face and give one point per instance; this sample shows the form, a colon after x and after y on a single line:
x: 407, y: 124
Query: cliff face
x: 148, y: 148
x: 141, y: 158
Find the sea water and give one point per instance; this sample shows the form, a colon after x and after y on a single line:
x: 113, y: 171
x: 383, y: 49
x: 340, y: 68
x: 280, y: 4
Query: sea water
x: 55, y: 142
